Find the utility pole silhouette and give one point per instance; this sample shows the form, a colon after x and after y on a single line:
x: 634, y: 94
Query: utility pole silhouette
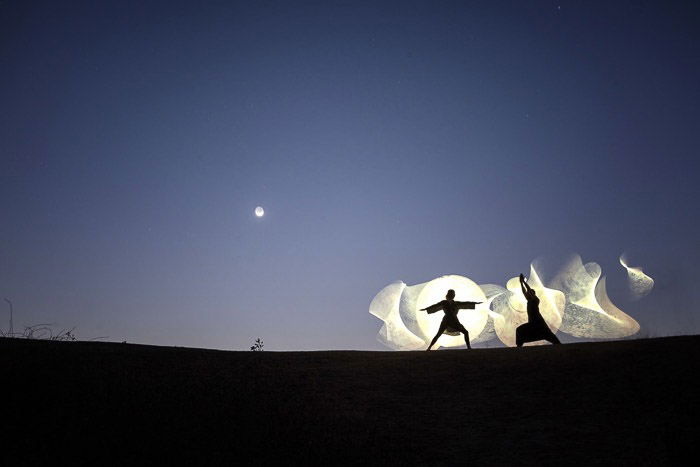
x: 12, y: 331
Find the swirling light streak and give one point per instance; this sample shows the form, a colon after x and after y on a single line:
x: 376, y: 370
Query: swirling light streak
x: 639, y: 283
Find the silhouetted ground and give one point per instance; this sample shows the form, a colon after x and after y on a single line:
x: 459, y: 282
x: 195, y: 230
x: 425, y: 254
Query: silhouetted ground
x: 630, y: 401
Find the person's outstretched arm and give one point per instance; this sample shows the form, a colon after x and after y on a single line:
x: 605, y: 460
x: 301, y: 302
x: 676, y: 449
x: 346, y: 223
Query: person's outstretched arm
x: 433, y: 308
x: 466, y: 305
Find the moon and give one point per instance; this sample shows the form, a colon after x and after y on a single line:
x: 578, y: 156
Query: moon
x: 259, y: 211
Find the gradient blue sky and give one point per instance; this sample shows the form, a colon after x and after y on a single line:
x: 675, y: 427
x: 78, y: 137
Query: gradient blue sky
x: 386, y: 140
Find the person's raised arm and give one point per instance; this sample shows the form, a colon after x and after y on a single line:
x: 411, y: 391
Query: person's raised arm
x: 433, y: 308
x: 523, y: 285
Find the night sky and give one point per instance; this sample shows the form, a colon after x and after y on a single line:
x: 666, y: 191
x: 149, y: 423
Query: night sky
x: 385, y: 140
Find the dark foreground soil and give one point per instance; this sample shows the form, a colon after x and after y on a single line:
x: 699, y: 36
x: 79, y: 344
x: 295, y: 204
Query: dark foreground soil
x: 633, y: 402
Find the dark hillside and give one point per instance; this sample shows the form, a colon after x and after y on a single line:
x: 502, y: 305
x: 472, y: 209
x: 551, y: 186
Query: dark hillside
x: 630, y: 401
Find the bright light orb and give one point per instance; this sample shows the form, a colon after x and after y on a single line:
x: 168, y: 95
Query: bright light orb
x: 465, y: 291
x: 259, y: 211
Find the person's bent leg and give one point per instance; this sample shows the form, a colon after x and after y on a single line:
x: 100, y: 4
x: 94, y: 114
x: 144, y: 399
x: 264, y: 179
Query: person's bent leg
x: 437, y: 336
x: 466, y: 337
x: 519, y: 331
x: 527, y: 333
x: 552, y: 338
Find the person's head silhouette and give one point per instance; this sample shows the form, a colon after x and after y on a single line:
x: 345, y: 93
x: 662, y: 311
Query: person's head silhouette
x: 450, y: 294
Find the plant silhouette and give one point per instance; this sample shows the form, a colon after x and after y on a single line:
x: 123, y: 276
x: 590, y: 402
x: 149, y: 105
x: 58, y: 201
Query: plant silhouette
x: 257, y: 345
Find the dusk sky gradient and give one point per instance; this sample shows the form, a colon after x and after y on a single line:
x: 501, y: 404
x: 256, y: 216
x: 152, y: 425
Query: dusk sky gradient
x: 385, y: 140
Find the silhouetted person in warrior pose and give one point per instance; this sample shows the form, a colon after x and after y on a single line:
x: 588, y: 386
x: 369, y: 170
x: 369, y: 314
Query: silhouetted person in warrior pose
x: 450, y: 323
x: 535, y: 329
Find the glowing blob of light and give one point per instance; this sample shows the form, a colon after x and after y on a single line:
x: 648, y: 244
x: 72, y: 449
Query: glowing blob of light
x: 588, y: 311
x: 259, y: 211
x: 639, y: 283
x: 393, y: 332
x: 465, y: 291
x: 492, y: 291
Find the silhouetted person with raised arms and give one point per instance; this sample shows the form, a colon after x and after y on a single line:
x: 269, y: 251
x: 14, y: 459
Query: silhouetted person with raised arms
x: 450, y: 322
x: 536, y: 328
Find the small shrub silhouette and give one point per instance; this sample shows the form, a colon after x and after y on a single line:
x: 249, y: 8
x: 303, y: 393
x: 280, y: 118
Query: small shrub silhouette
x: 257, y: 345
x: 42, y: 332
